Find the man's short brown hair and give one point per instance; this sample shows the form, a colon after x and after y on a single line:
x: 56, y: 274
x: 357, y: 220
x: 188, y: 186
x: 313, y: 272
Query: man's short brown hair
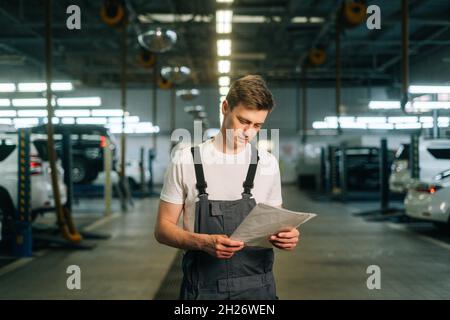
x: 252, y: 92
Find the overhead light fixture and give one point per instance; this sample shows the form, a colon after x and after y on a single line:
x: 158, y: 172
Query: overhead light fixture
x: 6, y: 121
x: 188, y: 95
x: 249, y: 19
x: 371, y: 119
x: 223, y: 21
x: 73, y: 113
x: 91, y: 120
x: 431, y: 105
x: 107, y: 112
x: 80, y: 102
x: 5, y: 102
x: 423, y: 89
x: 25, y: 122
x: 55, y: 120
x: 224, y: 90
x: 224, y: 47
x: 299, y: 20
x: 68, y: 120
x: 224, y: 66
x: 320, y: 125
x: 132, y: 119
x: 8, y: 113
x: 158, y: 40
x: 224, y: 1
x: 7, y: 87
x: 389, y: 104
x: 414, y: 125
x: 32, y: 113
x: 410, y: 119
x: 176, y: 75
x: 316, y: 19
x: 224, y: 81
x: 42, y: 86
x: 381, y: 126
x: 29, y: 102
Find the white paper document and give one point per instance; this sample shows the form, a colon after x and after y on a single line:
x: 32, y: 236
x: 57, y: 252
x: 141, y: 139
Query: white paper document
x: 265, y: 220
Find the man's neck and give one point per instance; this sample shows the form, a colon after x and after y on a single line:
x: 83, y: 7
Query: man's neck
x: 228, y: 148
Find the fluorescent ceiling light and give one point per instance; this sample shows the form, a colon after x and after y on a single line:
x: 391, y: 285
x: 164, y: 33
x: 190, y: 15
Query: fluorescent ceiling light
x: 402, y: 119
x: 80, y: 102
x: 431, y: 105
x: 107, y: 112
x: 371, y: 119
x: 381, y: 126
x: 5, y: 102
x: 223, y: 21
x: 55, y: 120
x: 353, y: 125
x: 299, y: 20
x: 249, y: 19
x: 29, y: 102
x: 42, y: 86
x: 68, y: 120
x: 414, y: 125
x: 223, y: 47
x: 7, y: 113
x: 224, y: 81
x: 91, y: 120
x: 24, y: 122
x: 224, y: 66
x: 320, y: 125
x: 419, y: 89
x: 7, y: 87
x: 32, y: 113
x: 224, y: 90
x: 426, y: 119
x: 6, y: 121
x: 73, y: 113
x: 132, y: 119
x: 384, y: 105
x: 316, y: 19
x: 224, y: 1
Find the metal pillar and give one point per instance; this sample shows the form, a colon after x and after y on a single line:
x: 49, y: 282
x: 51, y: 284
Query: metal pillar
x: 414, y: 157
x: 67, y: 165
x: 384, y: 175
x: 22, y: 244
x: 338, y: 74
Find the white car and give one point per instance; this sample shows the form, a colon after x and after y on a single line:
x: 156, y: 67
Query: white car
x: 132, y: 171
x: 430, y: 201
x: 41, y: 189
x: 434, y: 157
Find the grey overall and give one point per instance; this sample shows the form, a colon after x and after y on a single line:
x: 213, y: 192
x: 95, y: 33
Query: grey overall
x: 248, y: 274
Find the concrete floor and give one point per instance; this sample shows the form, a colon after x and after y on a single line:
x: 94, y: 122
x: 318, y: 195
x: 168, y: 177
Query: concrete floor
x: 330, y: 263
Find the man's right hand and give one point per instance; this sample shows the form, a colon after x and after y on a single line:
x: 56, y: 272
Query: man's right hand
x: 222, y: 247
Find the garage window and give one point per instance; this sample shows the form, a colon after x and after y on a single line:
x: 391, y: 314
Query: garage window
x: 6, y: 150
x: 440, y: 153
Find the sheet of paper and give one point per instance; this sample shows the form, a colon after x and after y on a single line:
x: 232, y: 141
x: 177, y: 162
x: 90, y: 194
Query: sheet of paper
x: 265, y: 220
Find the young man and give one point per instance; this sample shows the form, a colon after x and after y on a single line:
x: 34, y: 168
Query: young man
x: 215, y: 185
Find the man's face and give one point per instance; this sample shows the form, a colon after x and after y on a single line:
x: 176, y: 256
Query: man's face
x: 242, y: 123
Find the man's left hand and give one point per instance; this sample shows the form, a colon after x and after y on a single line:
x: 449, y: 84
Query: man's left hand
x: 285, y: 240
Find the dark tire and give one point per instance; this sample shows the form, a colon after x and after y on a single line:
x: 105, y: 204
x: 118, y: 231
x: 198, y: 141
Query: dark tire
x: 6, y: 217
x: 82, y: 173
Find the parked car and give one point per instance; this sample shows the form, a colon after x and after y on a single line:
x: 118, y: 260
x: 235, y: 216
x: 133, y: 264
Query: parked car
x: 430, y: 200
x: 132, y: 170
x: 41, y: 188
x: 434, y: 157
x: 87, y: 148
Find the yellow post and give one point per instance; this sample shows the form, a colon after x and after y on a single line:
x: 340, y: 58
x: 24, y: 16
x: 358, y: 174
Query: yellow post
x: 107, y: 169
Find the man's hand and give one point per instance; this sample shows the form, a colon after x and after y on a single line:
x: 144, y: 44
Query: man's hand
x: 285, y: 240
x: 222, y: 247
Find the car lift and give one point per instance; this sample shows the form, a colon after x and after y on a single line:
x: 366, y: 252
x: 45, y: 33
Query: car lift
x: 384, y: 212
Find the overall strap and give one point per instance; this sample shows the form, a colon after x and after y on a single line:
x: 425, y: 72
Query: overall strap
x: 199, y: 176
x: 248, y: 183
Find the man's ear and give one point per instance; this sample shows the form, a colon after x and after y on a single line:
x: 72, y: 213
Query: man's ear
x: 225, y: 107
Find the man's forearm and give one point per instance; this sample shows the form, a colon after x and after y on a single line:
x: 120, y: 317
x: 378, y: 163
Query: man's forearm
x: 172, y: 235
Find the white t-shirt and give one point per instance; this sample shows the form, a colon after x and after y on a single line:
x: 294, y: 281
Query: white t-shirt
x: 224, y: 175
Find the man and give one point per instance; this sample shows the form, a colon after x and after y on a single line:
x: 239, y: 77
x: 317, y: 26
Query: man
x: 228, y: 177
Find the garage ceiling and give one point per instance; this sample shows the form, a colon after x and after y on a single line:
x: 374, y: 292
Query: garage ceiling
x: 273, y: 48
